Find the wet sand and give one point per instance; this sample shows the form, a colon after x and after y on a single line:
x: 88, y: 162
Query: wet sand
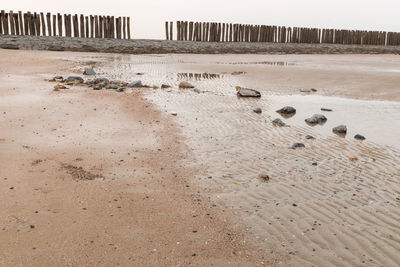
x: 101, y: 179
x: 333, y: 203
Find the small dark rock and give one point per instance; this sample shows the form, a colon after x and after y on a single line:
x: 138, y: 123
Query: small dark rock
x: 58, y: 78
x: 310, y: 137
x: 185, y: 85
x: 294, y: 205
x: 314, y: 164
x: 264, y: 177
x: 359, y: 137
x: 298, y: 145
x: 278, y: 122
x: 121, y: 89
x: 287, y: 110
x: 326, y: 109
x: 74, y: 79
x: 341, y: 129
x: 135, y: 84
x: 245, y: 92
x: 101, y: 80
x: 316, y: 119
x: 257, y: 110
x: 165, y: 86
x: 89, y: 71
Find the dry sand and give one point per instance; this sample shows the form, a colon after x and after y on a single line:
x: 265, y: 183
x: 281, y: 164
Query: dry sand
x: 98, y: 178
x: 333, y: 203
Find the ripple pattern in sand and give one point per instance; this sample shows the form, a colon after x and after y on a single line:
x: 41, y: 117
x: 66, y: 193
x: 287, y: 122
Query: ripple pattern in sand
x: 333, y: 203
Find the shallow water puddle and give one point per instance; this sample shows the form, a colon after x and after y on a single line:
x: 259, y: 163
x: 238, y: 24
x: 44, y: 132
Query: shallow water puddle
x: 378, y: 121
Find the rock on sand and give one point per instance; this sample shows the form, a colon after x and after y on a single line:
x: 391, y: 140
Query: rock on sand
x: 246, y: 92
x: 185, y: 85
x: 316, y: 119
x: 287, y: 110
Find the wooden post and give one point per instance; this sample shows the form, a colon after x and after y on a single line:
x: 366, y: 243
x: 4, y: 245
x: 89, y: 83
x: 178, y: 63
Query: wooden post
x: 48, y: 18
x: 124, y: 27
x: 59, y: 24
x: 37, y: 24
x: 43, y: 24
x: 5, y: 22
x: 101, y: 23
x: 16, y: 22
x: 178, y: 38
x: 82, y: 27
x: 171, y: 30
x: 26, y: 24
x: 96, y: 26
x: 87, y: 26
x: 31, y: 24
x: 91, y: 26
x: 11, y: 21
x: 1, y: 21
x: 129, y: 27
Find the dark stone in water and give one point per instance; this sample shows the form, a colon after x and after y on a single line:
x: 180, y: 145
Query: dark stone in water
x: 359, y: 137
x: 257, y: 110
x: 298, y: 145
x: 341, y: 129
x: 135, y: 84
x: 245, y: 92
x: 278, y: 122
x: 287, y: 110
x: 74, y: 79
x: 316, y: 119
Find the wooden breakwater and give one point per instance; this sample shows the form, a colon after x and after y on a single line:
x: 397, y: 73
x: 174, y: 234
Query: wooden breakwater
x: 228, y: 32
x: 66, y: 25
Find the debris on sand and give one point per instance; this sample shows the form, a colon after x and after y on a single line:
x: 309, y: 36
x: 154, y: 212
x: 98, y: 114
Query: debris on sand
x: 310, y: 137
x: 316, y: 119
x: 89, y: 71
x: 264, y: 177
x: 59, y: 86
x: 326, y: 109
x: 287, y: 110
x: 174, y: 113
x: 185, y: 85
x: 359, y: 137
x: 341, y: 129
x: 305, y: 90
x: 257, y: 110
x: 78, y: 173
x: 238, y: 73
x: 246, y: 92
x: 298, y: 145
x: 278, y: 122
x: 165, y: 86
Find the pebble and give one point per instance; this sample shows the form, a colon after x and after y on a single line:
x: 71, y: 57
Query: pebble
x: 359, y: 137
x: 263, y: 177
x: 257, y: 110
x: 246, y: 92
x: 196, y: 90
x: 316, y: 119
x: 164, y: 86
x: 309, y: 137
x: 174, y: 113
x: 326, y: 109
x: 74, y: 79
x: 341, y: 129
x: 278, y: 122
x: 287, y: 110
x: 298, y: 145
x: 185, y: 85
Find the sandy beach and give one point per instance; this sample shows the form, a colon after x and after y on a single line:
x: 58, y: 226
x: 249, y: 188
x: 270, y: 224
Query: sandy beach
x: 169, y: 177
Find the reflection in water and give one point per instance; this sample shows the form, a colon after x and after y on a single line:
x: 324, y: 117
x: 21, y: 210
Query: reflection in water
x: 199, y: 76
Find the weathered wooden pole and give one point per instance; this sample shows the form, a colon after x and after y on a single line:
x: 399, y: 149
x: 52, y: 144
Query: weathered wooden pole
x: 11, y: 21
x: 16, y: 22
x: 96, y: 26
x: 48, y: 19
x: 178, y: 30
x: 82, y: 26
x: 59, y: 24
x: 1, y: 21
x: 5, y: 23
x: 129, y: 27
x: 91, y: 18
x: 26, y: 24
x: 124, y: 27
x: 43, y: 24
x: 86, y: 26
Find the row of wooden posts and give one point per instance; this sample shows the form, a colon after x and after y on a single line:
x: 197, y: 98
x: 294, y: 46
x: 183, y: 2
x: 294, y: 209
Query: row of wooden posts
x: 38, y: 24
x: 227, y: 32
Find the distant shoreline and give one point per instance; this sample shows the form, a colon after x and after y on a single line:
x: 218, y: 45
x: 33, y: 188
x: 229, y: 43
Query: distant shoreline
x: 141, y: 46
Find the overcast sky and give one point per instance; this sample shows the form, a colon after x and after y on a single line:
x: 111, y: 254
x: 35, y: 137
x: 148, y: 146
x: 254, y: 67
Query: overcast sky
x: 148, y: 16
